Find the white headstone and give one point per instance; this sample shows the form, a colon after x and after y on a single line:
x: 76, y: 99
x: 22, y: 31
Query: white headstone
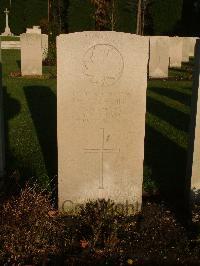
x: 2, y: 140
x: 159, y: 56
x: 29, y: 30
x: 35, y: 29
x: 193, y: 169
x: 176, y: 45
x: 192, y: 45
x: 31, y: 54
x: 186, y: 49
x: 45, y: 46
x: 101, y: 101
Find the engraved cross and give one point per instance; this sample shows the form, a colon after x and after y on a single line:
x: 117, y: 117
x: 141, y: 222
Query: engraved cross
x: 101, y: 151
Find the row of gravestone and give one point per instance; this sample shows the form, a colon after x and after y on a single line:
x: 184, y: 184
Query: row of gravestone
x: 164, y: 52
x: 168, y: 52
x: 101, y: 106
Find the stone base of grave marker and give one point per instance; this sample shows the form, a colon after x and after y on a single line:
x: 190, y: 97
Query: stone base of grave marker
x: 7, y: 32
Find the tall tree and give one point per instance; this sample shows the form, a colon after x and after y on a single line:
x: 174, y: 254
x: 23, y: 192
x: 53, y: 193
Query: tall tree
x: 191, y: 17
x: 58, y: 16
x: 143, y: 16
x: 105, y: 14
x: 139, y: 18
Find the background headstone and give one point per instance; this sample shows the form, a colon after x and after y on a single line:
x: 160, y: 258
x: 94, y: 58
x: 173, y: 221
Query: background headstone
x: 193, y: 169
x: 35, y: 29
x: 101, y: 101
x: 31, y: 54
x: 186, y: 49
x: 159, y: 56
x: 192, y: 45
x: 45, y: 45
x: 176, y: 45
x: 2, y: 141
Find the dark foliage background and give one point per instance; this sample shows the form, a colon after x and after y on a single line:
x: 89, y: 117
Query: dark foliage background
x: 172, y: 17
x: 23, y: 14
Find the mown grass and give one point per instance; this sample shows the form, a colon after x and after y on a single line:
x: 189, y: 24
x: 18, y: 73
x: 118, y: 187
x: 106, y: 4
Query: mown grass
x: 9, y: 38
x: 30, y: 118
x: 167, y: 132
x: 30, y: 112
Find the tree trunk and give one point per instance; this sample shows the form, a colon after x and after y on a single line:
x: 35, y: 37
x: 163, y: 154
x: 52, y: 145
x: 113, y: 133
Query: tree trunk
x: 139, y: 17
x: 143, y: 18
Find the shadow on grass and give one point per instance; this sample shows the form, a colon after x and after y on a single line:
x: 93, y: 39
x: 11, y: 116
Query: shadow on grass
x: 190, y: 63
x: 174, y: 117
x: 19, y: 64
x: 181, y: 71
x: 168, y: 164
x: 183, y: 97
x: 42, y: 105
x: 166, y: 151
x: 12, y: 108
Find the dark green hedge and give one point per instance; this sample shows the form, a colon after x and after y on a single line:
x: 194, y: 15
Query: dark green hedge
x: 164, y: 15
x: 23, y: 14
x: 81, y: 16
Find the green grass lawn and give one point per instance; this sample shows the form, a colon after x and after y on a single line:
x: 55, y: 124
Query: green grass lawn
x: 30, y: 115
x: 9, y: 38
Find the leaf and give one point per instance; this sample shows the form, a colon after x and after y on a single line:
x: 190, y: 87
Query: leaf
x: 84, y: 243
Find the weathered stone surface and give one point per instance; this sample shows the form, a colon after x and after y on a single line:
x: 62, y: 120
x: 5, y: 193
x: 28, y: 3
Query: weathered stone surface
x: 35, y: 29
x: 193, y: 169
x: 2, y: 140
x: 44, y: 37
x: 192, y: 45
x: 186, y: 49
x: 159, y: 56
x: 176, y: 45
x: 31, y: 54
x: 101, y: 101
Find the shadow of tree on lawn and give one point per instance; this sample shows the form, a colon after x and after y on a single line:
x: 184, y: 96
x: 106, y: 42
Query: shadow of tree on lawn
x: 42, y: 105
x: 166, y: 153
